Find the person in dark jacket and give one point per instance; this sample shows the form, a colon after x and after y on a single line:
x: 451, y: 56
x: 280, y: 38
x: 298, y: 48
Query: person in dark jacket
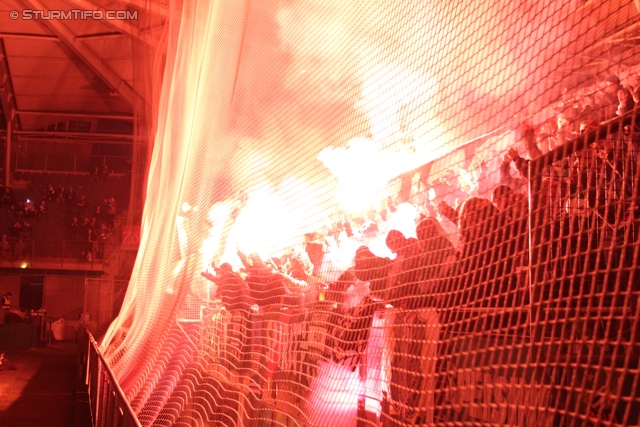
x: 234, y: 294
x: 232, y: 290
x: 267, y: 288
x: 373, y: 269
x: 617, y: 99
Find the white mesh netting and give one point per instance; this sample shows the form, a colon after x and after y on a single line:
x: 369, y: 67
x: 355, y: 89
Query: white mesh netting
x: 389, y: 213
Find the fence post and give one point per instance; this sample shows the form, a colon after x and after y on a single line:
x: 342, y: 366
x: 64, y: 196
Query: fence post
x: 113, y: 286
x: 109, y: 405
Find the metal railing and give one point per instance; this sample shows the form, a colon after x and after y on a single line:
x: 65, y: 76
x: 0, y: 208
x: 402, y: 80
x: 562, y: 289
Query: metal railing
x: 67, y: 163
x: 57, y: 252
x: 108, y: 404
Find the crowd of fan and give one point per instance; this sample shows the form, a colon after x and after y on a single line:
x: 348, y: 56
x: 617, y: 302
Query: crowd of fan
x: 472, y: 258
x: 91, y: 224
x: 483, y: 251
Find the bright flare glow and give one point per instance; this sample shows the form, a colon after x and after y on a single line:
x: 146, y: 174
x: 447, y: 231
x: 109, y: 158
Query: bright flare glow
x: 405, y: 135
x: 263, y: 226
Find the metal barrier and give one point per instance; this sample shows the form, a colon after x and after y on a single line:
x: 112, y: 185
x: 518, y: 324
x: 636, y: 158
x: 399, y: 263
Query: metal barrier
x: 57, y: 252
x: 108, y: 404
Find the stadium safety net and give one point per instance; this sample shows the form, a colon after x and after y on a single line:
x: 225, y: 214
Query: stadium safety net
x: 388, y: 213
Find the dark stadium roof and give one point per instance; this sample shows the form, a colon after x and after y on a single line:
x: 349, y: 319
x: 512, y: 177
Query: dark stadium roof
x: 81, y: 69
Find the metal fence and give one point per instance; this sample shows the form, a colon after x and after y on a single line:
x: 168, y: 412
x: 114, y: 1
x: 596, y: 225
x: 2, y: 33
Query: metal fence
x: 57, y: 252
x: 109, y: 407
x: 557, y: 347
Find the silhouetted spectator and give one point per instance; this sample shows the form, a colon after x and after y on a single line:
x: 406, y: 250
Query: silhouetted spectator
x: 26, y: 230
x: 484, y: 277
x: 91, y: 237
x: 625, y: 102
x: 590, y: 110
x: 522, y: 165
x: 20, y: 210
x: 501, y: 197
x: 71, y: 195
x: 7, y: 197
x: 232, y: 290
x: 98, y: 214
x: 401, y: 284
x: 448, y: 212
x: 29, y: 209
x: 6, y: 247
x: 84, y: 227
x: 95, y: 174
x: 101, y: 239
x: 373, y: 269
x: 50, y: 194
x: 82, y: 206
x: 18, y: 248
x: 112, y: 210
x: 16, y: 230
x: 42, y: 209
x: 74, y: 228
x: 437, y: 256
x: 612, y: 98
x: 337, y: 290
x: 11, y: 212
x: 62, y: 195
x: 266, y: 288
x: 105, y: 172
x: 94, y: 223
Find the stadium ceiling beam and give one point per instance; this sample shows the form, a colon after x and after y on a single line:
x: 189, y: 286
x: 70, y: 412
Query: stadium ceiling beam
x: 70, y: 135
x: 127, y: 117
x: 623, y: 34
x: 29, y: 36
x: 88, y: 57
x: 122, y: 26
x: 7, y: 95
x: 147, y: 5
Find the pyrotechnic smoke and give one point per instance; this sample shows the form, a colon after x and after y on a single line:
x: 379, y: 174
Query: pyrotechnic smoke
x: 423, y: 89
x: 318, y: 80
